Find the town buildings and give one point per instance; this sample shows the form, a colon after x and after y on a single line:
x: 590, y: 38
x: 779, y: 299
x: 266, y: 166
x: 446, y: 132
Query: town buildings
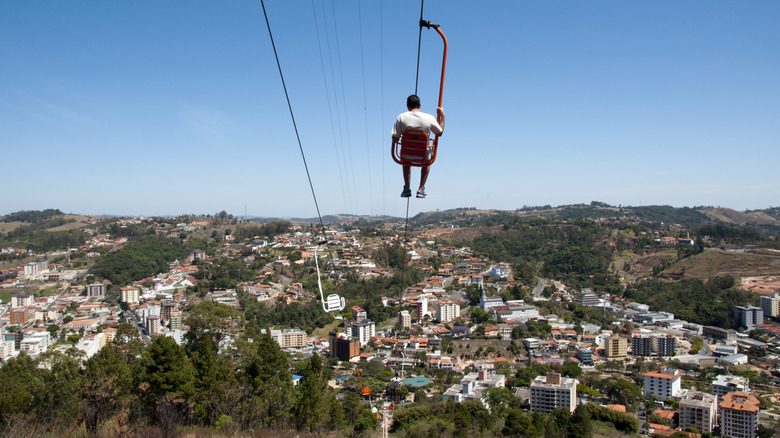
x: 552, y: 392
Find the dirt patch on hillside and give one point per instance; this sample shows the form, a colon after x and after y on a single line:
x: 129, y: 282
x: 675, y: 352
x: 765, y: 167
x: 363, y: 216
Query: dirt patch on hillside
x: 765, y: 285
x: 714, y: 263
x: 459, y: 233
x: 643, y: 264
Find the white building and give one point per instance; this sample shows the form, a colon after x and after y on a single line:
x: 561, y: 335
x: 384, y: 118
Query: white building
x: 739, y: 415
x: 362, y: 331
x: 447, y: 311
x: 153, y: 324
x: 129, y: 295
x: 405, y: 319
x: 552, y: 392
x: 6, y: 350
x: 486, y: 303
x: 725, y: 384
x: 35, y: 343
x: 771, y: 305
x: 290, y: 338
x: 473, y: 385
x: 699, y: 410
x: 748, y: 316
x: 21, y: 300
x: 662, y: 384
x: 91, y: 344
x: 520, y: 311
x: 96, y: 290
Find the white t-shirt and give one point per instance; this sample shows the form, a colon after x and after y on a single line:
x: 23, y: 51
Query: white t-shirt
x: 415, y: 120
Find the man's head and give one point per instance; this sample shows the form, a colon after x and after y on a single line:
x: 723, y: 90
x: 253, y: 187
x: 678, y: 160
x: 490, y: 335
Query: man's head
x: 412, y: 102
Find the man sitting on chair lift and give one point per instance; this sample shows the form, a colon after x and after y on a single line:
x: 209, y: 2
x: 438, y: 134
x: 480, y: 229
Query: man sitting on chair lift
x: 417, y: 120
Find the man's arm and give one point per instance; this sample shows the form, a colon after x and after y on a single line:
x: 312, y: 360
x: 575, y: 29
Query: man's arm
x: 440, y: 120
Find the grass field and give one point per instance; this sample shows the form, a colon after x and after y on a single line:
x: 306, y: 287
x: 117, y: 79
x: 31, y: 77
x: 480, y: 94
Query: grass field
x: 81, y: 221
x: 712, y: 263
x: 9, y: 226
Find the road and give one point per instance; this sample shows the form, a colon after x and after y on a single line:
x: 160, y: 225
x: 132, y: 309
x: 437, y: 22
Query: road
x: 539, y: 288
x: 130, y: 316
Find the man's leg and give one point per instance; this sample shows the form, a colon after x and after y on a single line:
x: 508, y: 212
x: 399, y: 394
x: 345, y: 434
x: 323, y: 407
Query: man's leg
x: 424, y: 176
x: 407, y: 176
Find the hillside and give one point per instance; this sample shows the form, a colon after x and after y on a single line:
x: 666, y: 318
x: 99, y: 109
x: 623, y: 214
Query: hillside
x: 729, y: 216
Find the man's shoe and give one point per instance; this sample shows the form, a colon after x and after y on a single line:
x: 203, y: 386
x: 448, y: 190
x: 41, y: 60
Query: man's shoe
x: 407, y: 193
x: 421, y: 193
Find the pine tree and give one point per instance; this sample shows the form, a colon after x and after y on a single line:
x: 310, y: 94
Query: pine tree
x: 270, y: 383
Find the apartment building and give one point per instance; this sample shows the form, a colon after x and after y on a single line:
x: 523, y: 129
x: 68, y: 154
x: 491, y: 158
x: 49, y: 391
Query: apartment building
x: 771, y: 305
x: 748, y: 316
x: 289, y: 338
x: 739, y: 415
x: 652, y: 345
x: 447, y: 311
x: 662, y: 384
x: 343, y: 348
x: 725, y: 384
x: 363, y: 331
x: 699, y: 410
x: 129, y: 295
x: 96, y: 290
x: 552, y: 392
x: 405, y: 319
x: 615, y: 347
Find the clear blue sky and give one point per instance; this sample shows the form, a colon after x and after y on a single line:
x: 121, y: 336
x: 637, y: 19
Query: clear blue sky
x: 163, y: 108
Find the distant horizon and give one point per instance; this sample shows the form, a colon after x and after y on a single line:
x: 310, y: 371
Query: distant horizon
x: 250, y: 216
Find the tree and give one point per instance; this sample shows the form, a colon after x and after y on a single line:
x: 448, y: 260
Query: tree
x: 168, y: 382
x: 128, y: 342
x: 479, y: 316
x: 26, y: 386
x: 106, y: 382
x: 571, y: 369
x: 216, y: 386
x: 214, y: 319
x: 270, y: 382
x: 310, y: 408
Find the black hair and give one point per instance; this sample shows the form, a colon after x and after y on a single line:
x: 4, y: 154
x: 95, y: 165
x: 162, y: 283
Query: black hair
x: 413, y: 102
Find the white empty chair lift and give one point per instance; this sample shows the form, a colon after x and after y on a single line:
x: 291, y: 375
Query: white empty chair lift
x: 334, y: 303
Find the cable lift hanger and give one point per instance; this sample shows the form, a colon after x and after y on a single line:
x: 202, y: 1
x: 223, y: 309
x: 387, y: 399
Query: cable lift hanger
x: 334, y: 302
x: 412, y: 147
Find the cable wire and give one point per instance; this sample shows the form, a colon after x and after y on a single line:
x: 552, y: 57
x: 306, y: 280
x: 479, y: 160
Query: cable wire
x: 330, y: 110
x: 419, y: 41
x: 292, y: 116
x: 344, y: 100
x: 365, y: 114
